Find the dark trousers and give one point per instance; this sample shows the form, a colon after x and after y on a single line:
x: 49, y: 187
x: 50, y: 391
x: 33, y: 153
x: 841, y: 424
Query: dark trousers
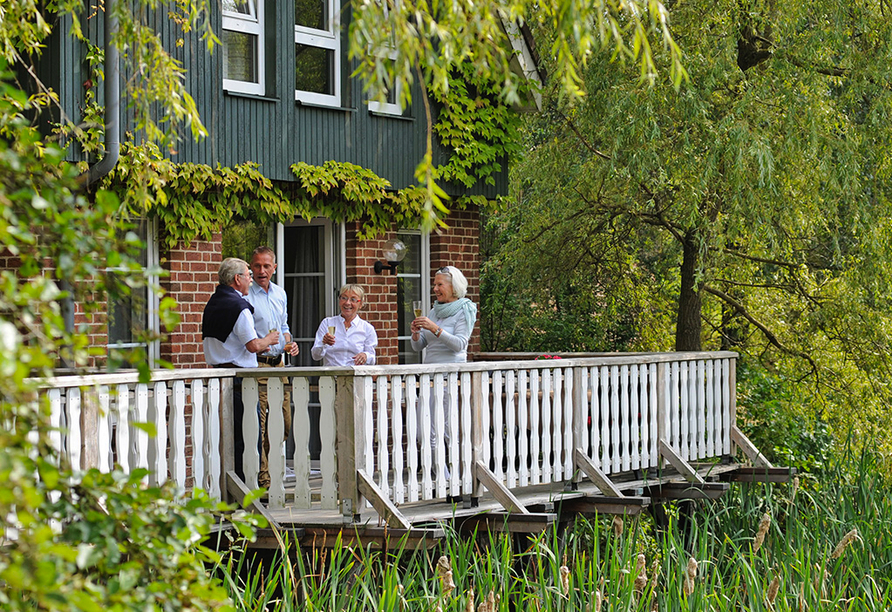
x: 238, y: 414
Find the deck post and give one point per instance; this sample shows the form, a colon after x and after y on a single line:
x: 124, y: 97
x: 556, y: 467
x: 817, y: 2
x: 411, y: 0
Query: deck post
x: 580, y: 422
x: 662, y: 383
x: 351, y: 427
x: 227, y: 440
x: 479, y: 431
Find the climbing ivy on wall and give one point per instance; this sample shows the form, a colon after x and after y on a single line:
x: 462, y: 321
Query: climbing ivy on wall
x: 476, y: 126
x: 193, y: 201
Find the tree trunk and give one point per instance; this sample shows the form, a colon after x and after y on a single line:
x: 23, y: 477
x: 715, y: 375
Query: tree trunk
x: 687, y: 326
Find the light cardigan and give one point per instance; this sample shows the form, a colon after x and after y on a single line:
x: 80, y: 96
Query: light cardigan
x: 452, y: 345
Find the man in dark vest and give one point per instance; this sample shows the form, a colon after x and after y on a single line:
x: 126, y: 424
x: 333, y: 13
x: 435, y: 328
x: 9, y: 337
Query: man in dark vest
x: 227, y: 331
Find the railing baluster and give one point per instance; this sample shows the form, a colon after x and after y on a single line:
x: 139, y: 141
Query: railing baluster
x: 454, y: 484
x: 383, y: 437
x: 498, y: 450
x: 511, y: 422
x: 55, y: 399
x: 635, y: 420
x: 301, y: 394
x: 328, y: 429
x: 396, y: 419
x: 104, y: 431
x: 199, y: 433
x: 213, y: 458
x: 427, y: 483
x: 466, y: 424
x: 275, y: 431
x: 412, y: 424
x: 140, y: 449
x: 535, y: 420
x: 568, y: 423
x: 727, y: 392
x: 250, y: 431
x: 701, y: 408
x: 693, y: 410
x: 674, y: 415
x: 604, y: 419
x: 625, y: 419
x: 486, y: 429
x: 615, y: 418
x: 546, y: 425
x: 73, y: 404
x: 557, y: 412
x: 653, y: 409
x: 177, y: 432
x: 523, y: 427
x: 439, y: 441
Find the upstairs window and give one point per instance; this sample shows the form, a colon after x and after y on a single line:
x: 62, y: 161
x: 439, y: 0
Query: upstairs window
x: 317, y: 50
x: 391, y: 104
x: 243, y: 46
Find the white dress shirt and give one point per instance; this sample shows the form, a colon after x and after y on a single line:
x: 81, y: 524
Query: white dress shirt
x: 360, y: 337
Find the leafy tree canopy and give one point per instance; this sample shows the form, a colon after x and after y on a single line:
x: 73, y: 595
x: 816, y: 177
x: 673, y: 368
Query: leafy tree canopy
x: 750, y: 208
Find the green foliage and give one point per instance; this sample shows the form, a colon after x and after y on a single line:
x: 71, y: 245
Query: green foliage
x: 194, y: 201
x: 624, y: 563
x: 478, y: 128
x: 771, y: 183
x: 72, y: 540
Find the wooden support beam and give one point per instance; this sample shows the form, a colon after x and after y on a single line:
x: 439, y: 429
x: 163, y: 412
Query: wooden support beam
x: 502, y: 494
x: 374, y: 537
x: 238, y: 490
x: 594, y: 474
x: 380, y: 502
x: 760, y: 474
x: 504, y: 522
x: 685, y: 490
x: 623, y: 506
x: 749, y: 449
x: 683, y: 467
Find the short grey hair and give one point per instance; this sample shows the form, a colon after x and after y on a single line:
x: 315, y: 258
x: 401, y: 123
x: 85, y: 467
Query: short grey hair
x: 230, y: 268
x: 456, y: 279
x: 352, y: 288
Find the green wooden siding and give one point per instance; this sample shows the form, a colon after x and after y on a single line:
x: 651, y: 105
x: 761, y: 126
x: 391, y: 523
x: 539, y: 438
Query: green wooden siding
x: 274, y: 131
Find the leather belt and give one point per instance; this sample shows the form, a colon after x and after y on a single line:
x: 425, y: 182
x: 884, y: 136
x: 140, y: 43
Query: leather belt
x: 273, y: 361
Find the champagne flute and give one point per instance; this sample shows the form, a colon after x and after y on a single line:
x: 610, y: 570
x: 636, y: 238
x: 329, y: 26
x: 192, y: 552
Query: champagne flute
x: 331, y: 329
x: 416, y: 306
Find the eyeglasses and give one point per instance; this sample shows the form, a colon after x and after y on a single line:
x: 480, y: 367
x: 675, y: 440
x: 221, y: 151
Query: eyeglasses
x: 352, y: 300
x: 248, y: 274
x: 444, y: 270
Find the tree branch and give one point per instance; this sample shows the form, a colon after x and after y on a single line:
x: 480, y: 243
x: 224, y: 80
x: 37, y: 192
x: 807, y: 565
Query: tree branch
x: 772, y: 338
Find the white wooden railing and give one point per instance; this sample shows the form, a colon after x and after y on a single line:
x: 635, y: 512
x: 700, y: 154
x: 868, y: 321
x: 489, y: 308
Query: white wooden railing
x: 523, y: 420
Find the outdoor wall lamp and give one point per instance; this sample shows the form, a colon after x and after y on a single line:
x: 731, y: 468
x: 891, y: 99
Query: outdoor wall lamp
x: 394, y: 252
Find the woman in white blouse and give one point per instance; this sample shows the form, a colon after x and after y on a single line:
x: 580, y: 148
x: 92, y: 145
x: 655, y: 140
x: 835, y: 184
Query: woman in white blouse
x: 354, y: 339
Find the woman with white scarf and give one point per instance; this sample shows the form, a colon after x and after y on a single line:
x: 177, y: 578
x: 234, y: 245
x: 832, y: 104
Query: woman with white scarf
x: 445, y: 333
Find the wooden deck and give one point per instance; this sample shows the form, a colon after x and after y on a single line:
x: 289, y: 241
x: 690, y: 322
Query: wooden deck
x: 530, y: 442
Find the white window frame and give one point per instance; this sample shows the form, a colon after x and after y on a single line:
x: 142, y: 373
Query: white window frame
x: 252, y: 25
x: 425, y: 263
x: 388, y: 108
x: 329, y: 40
x: 153, y: 323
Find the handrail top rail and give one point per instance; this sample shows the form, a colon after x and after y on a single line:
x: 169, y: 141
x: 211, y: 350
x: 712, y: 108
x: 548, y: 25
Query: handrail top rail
x: 619, y: 359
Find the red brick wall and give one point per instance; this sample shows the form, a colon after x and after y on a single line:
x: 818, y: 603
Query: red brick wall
x: 192, y: 281
x: 457, y: 245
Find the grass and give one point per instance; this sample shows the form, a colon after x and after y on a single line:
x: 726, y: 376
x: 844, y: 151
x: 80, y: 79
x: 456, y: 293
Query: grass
x: 826, y: 545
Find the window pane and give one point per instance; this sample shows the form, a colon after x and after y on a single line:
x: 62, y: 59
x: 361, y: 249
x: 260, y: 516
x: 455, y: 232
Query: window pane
x: 408, y: 289
x: 311, y: 14
x: 412, y: 263
x: 315, y: 69
x: 239, y: 56
x: 243, y: 7
x: 407, y: 355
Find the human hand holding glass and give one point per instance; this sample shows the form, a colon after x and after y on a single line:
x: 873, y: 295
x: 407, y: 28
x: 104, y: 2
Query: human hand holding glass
x: 329, y: 338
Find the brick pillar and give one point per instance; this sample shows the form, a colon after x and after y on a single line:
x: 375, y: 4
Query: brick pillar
x: 192, y: 281
x: 380, y: 307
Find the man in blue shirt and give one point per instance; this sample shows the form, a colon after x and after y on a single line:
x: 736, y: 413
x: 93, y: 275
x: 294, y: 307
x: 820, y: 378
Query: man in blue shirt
x: 270, y: 314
